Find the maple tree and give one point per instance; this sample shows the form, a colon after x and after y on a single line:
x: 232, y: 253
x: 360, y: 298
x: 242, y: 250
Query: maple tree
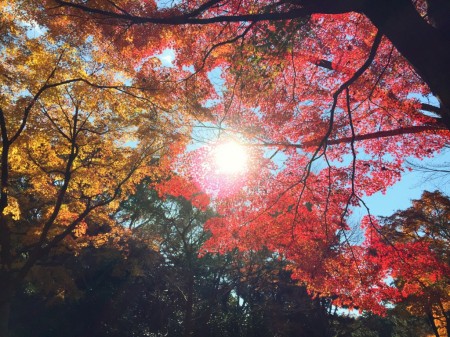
x: 339, y: 88
x: 414, y: 246
x: 79, y: 129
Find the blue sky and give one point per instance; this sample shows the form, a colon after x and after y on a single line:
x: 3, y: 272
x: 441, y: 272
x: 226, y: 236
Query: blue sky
x: 411, y: 187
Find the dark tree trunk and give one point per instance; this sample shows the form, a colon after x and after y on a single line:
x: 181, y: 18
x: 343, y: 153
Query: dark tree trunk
x: 425, y: 47
x: 439, y: 15
x: 189, y: 307
x: 6, y: 295
x: 5, y: 308
x: 322, y: 319
x: 432, y: 324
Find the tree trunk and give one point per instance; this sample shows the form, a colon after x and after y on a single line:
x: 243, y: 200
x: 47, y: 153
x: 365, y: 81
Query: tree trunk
x: 432, y: 323
x: 447, y: 324
x: 189, y: 306
x: 5, y: 308
x: 444, y: 319
x: 6, y: 295
x: 425, y: 47
x: 321, y: 319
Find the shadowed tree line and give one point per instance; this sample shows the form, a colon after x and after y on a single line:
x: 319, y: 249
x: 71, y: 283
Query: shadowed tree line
x: 158, y: 285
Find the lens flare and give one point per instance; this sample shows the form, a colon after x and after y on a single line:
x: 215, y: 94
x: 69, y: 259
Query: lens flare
x: 230, y: 158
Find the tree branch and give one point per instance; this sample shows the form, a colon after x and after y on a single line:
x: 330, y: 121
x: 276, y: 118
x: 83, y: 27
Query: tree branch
x: 190, y: 18
x: 368, y: 136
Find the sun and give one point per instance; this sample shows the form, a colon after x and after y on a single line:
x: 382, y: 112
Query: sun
x: 230, y: 158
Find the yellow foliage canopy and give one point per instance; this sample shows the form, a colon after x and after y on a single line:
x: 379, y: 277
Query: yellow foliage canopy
x: 80, y: 126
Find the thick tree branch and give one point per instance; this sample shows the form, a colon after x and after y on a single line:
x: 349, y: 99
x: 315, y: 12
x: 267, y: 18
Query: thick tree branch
x: 373, y: 51
x: 431, y: 108
x: 424, y: 106
x: 189, y: 18
x: 425, y: 47
x: 356, y: 138
x: 67, y: 177
x: 5, y: 233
